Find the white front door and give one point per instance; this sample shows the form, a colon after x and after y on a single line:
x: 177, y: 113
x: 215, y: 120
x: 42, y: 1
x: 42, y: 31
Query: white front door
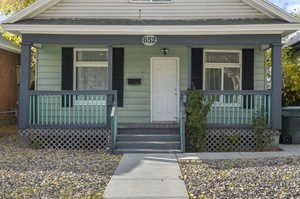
x: 164, y: 89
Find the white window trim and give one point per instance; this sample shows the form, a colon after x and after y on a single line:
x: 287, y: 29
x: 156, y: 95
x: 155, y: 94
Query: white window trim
x: 222, y: 66
x: 151, y: 1
x: 86, y: 63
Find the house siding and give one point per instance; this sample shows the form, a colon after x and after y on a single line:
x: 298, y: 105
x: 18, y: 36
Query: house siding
x: 137, y: 65
x: 179, y: 9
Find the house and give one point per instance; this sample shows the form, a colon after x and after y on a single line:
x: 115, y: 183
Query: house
x: 115, y: 73
x: 9, y: 62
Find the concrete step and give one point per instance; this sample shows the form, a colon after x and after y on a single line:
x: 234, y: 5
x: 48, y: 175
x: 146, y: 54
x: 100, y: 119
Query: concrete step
x: 148, y: 145
x: 121, y: 151
x: 148, y: 137
x: 148, y: 131
x: 149, y: 125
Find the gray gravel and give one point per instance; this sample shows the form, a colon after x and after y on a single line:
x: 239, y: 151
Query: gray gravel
x: 29, y: 173
x: 251, y: 178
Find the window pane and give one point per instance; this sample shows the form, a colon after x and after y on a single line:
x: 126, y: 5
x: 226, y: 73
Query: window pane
x: 92, y: 78
x: 213, y: 78
x: 222, y: 57
x: 91, y: 56
x: 232, y: 79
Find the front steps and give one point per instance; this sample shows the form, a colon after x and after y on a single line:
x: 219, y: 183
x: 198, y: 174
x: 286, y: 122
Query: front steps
x: 150, y: 139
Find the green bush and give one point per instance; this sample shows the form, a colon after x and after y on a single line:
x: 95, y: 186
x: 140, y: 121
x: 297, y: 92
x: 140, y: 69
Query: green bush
x: 291, y: 76
x: 262, y: 138
x: 197, y: 110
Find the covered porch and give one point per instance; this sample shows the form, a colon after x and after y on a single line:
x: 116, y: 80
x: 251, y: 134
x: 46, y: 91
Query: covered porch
x: 147, y: 84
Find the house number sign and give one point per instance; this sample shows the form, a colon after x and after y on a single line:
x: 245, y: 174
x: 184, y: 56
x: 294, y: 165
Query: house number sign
x: 149, y: 40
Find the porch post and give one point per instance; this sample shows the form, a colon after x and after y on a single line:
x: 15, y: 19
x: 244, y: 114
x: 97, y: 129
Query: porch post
x: 276, y: 87
x: 24, y: 86
x: 189, y: 63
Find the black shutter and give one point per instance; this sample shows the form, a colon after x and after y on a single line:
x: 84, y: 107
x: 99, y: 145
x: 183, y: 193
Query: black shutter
x: 248, y: 74
x: 118, y: 74
x: 67, y: 75
x: 197, y: 68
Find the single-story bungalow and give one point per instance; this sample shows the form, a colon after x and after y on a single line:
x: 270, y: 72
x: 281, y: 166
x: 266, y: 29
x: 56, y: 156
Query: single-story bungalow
x: 116, y: 73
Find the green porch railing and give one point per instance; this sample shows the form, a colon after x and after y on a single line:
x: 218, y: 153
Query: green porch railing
x: 55, y: 109
x: 239, y: 108
x: 236, y: 108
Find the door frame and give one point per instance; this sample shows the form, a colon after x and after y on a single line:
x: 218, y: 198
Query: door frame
x: 178, y: 84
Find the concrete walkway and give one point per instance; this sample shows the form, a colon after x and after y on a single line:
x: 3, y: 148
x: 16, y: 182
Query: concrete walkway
x: 147, y: 176
x: 157, y: 176
x: 287, y: 150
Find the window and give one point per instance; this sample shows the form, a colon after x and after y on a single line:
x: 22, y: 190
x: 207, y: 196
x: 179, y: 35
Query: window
x: 91, y: 69
x: 151, y: 1
x: 223, y: 72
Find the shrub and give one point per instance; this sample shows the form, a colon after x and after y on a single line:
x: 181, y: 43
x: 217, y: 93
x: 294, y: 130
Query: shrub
x: 197, y: 110
x: 262, y: 138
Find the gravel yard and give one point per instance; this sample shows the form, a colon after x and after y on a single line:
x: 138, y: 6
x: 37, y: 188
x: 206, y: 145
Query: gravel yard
x: 249, y: 179
x: 30, y: 173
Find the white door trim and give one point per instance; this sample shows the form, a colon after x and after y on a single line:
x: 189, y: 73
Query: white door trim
x: 178, y: 83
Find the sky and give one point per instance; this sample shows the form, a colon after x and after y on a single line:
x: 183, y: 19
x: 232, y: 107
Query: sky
x: 290, y: 5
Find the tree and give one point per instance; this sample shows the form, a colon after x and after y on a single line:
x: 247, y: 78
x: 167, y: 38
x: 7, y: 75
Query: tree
x: 291, y: 76
x: 8, y: 7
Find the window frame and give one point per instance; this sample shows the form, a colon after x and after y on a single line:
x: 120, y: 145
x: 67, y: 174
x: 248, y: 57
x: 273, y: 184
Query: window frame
x: 222, y: 66
x: 82, y: 64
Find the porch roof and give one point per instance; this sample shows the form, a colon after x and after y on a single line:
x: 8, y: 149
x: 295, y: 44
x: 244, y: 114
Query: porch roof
x: 149, y: 22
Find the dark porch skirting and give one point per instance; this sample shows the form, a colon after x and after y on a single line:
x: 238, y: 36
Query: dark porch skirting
x: 91, y: 139
x: 237, y: 139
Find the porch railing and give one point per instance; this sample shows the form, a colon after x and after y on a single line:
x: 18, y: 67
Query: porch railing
x: 71, y: 109
x: 238, y: 108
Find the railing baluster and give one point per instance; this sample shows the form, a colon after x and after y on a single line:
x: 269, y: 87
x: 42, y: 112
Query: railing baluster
x: 34, y: 109
x: 38, y: 109
x: 269, y: 109
x: 60, y: 109
x: 233, y: 109
x: 30, y: 111
x: 265, y: 108
x: 93, y: 110
x: 49, y: 110
x: 65, y: 110
x: 43, y: 109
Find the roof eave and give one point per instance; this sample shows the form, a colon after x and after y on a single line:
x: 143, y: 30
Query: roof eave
x: 282, y: 29
x: 10, y: 48
x: 262, y: 5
